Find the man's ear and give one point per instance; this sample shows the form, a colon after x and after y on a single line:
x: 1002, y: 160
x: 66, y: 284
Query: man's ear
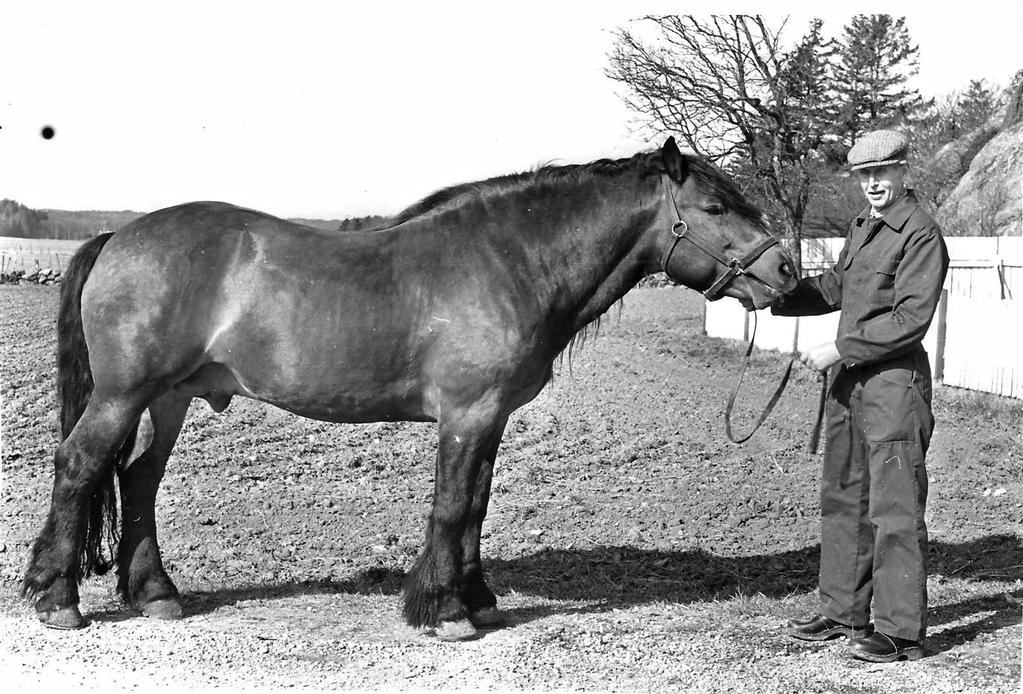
x: 674, y: 163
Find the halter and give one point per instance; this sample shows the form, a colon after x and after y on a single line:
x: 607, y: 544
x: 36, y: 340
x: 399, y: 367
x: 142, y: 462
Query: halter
x: 733, y: 266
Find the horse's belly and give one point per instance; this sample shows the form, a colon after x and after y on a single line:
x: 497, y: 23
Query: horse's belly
x: 326, y: 399
x: 333, y: 398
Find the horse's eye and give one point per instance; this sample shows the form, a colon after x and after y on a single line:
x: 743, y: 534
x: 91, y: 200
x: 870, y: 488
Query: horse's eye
x: 714, y: 209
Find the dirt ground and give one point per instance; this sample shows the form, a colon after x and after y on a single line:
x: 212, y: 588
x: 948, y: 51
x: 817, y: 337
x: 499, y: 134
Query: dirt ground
x: 632, y: 546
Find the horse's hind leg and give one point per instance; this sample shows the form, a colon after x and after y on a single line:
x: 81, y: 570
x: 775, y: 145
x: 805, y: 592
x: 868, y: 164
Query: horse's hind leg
x: 478, y: 597
x: 142, y: 581
x: 62, y: 555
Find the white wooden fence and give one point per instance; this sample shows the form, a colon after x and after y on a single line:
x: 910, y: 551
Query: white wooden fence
x: 975, y: 340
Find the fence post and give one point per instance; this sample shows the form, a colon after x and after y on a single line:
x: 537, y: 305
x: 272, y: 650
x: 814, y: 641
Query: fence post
x: 1003, y: 287
x: 939, y: 357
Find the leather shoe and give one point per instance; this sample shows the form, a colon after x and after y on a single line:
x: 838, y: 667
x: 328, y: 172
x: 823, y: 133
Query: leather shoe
x: 821, y: 628
x: 882, y: 648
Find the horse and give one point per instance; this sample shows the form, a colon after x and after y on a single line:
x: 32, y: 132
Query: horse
x: 454, y: 312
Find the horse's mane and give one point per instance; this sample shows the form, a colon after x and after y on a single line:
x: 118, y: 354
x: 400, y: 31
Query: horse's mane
x: 712, y: 179
x: 643, y: 164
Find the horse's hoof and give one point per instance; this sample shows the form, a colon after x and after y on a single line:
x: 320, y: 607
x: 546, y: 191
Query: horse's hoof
x: 62, y: 618
x: 168, y: 608
x: 460, y: 630
x: 487, y: 617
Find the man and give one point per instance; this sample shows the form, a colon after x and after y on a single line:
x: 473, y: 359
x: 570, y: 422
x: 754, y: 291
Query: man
x: 874, y: 485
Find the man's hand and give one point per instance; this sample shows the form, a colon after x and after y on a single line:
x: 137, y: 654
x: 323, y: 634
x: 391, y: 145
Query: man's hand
x: 821, y: 357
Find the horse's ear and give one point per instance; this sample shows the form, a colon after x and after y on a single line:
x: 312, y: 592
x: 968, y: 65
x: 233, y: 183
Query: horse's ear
x: 674, y: 163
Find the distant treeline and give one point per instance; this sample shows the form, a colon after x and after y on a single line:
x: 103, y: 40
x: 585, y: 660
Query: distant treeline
x: 373, y: 221
x: 24, y: 222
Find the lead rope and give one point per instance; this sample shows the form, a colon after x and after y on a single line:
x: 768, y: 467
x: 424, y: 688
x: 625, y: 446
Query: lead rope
x: 815, y: 434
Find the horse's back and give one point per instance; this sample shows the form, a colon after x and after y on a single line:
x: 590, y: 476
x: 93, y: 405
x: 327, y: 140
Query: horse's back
x: 198, y: 251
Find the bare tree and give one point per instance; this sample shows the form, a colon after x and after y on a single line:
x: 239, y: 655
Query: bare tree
x: 728, y: 89
x: 992, y: 201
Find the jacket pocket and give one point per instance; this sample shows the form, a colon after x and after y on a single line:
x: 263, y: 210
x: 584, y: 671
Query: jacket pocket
x: 884, y: 284
x: 888, y: 267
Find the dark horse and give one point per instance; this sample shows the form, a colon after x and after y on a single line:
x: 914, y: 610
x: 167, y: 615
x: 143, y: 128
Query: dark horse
x: 453, y: 314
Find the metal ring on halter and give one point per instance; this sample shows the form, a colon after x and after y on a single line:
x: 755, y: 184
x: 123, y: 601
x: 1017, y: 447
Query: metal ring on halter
x: 676, y: 225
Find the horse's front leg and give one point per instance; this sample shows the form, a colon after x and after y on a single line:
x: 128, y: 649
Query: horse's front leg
x: 435, y: 587
x: 481, y: 601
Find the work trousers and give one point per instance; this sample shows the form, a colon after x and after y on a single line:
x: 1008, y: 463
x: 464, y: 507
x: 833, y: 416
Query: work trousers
x: 873, y: 496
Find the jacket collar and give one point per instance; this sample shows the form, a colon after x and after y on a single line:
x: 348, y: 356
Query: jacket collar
x: 897, y: 215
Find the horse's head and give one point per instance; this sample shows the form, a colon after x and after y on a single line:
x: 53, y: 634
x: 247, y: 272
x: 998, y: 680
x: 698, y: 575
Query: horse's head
x: 713, y: 239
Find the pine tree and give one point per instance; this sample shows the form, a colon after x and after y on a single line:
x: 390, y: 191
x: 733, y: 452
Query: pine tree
x: 876, y: 60
x: 976, y: 105
x: 806, y: 81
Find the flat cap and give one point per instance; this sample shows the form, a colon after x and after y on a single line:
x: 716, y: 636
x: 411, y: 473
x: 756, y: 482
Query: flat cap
x: 878, y: 148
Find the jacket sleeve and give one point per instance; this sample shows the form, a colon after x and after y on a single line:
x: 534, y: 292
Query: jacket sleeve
x: 816, y: 295
x: 918, y: 281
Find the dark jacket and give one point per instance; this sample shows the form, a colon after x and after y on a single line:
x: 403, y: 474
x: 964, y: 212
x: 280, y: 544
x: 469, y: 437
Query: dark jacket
x: 887, y: 283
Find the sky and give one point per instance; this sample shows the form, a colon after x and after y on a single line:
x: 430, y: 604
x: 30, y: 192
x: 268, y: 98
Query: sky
x: 330, y: 110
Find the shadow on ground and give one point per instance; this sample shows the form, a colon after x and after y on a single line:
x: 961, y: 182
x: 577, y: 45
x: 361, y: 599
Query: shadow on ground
x: 616, y: 577
x: 998, y: 611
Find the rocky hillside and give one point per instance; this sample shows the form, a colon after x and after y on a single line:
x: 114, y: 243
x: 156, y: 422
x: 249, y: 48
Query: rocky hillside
x: 988, y: 200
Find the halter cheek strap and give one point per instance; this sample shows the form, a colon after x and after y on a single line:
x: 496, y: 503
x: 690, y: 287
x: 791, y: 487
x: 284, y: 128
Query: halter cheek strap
x: 733, y: 266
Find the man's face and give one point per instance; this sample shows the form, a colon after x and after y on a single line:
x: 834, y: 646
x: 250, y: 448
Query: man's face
x: 882, y: 185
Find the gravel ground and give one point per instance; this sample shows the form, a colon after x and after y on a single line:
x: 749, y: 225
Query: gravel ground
x: 632, y: 547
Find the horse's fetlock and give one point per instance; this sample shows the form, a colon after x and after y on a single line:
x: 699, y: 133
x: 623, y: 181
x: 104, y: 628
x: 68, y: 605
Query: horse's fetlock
x: 476, y: 594
x: 430, y: 600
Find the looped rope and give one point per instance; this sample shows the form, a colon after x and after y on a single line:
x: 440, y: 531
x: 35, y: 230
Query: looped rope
x: 815, y: 434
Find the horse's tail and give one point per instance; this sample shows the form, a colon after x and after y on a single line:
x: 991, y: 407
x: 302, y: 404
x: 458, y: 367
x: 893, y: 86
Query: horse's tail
x: 74, y: 388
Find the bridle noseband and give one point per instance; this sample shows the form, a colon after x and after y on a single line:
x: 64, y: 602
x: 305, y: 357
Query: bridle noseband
x: 733, y: 266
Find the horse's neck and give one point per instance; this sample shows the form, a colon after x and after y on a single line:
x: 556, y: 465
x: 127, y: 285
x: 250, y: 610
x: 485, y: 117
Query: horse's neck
x: 594, y: 255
